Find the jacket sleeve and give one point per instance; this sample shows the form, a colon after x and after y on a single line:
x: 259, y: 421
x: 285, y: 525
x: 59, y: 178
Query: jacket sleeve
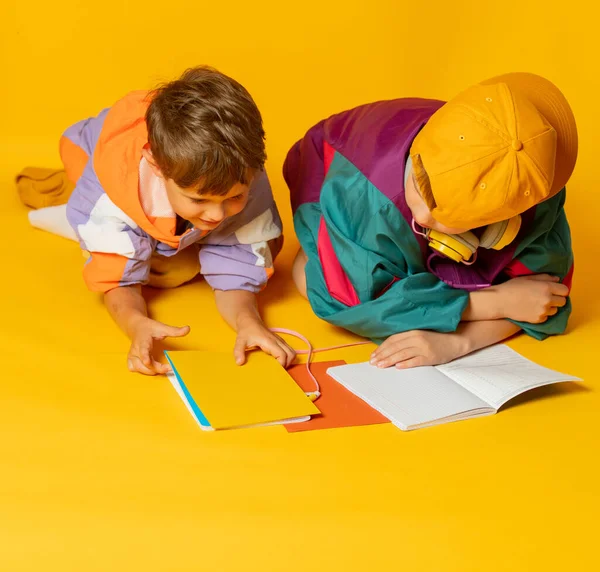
x: 119, y: 251
x: 391, y: 296
x: 243, y: 259
x: 364, y: 271
x: 547, y: 249
x: 237, y: 266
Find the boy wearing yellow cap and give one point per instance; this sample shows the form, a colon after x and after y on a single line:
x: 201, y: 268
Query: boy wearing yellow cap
x: 438, y: 229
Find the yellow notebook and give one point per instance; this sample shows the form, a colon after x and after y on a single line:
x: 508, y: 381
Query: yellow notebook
x: 223, y: 395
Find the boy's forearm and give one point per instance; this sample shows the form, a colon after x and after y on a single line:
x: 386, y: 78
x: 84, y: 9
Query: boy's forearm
x: 481, y: 334
x: 484, y: 304
x: 237, y: 306
x: 127, y: 306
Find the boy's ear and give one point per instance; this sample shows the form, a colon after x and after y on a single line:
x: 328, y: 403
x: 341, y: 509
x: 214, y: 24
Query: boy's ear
x: 147, y: 154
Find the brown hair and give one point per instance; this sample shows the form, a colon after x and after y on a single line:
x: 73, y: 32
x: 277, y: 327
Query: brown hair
x: 205, y: 130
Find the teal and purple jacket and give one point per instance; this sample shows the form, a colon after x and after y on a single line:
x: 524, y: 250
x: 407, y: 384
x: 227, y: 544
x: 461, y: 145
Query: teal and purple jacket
x: 367, y: 270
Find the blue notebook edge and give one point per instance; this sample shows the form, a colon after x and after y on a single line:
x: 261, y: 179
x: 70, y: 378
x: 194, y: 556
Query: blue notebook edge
x: 200, y: 417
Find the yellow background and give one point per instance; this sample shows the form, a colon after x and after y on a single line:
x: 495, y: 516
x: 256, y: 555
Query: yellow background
x: 105, y: 470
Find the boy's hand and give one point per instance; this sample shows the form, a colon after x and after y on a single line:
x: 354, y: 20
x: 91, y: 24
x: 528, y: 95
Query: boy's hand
x: 142, y: 341
x: 253, y: 333
x: 418, y: 348
x: 532, y: 299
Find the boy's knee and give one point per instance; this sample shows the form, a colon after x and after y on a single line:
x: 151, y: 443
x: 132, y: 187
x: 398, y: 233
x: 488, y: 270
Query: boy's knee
x: 173, y: 271
x: 298, y: 272
x: 275, y: 246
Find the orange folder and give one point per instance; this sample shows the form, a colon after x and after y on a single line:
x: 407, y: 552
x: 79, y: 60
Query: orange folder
x: 339, y: 407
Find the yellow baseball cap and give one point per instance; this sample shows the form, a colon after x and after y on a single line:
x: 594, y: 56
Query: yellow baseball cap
x: 495, y: 150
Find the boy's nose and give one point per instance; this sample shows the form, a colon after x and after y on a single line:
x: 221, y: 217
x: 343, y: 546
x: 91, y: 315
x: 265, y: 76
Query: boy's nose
x: 216, y: 213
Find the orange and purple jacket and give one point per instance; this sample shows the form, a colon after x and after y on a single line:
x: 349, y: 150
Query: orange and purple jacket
x: 121, y: 214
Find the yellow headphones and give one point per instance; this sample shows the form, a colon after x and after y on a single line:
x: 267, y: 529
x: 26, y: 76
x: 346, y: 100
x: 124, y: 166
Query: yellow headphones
x: 460, y: 247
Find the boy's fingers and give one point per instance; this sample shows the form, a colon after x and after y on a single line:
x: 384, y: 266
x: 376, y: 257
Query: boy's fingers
x: 387, y: 353
x: 413, y: 362
x: 135, y: 364
x: 274, y: 349
x: 290, y: 353
x: 396, y: 357
x: 291, y: 356
x: 163, y: 330
x: 559, y: 290
x: 391, y: 343
x: 161, y: 368
x: 279, y: 355
x: 281, y: 358
x: 558, y: 301
x: 144, y: 353
x: 543, y: 277
x: 382, y: 348
x: 239, y: 351
x: 382, y: 352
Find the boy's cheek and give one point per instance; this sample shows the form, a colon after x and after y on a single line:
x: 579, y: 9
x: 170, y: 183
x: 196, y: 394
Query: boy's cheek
x: 187, y: 213
x: 237, y: 209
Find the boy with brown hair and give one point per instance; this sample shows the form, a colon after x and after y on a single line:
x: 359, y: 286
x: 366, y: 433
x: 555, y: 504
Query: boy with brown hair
x: 167, y: 185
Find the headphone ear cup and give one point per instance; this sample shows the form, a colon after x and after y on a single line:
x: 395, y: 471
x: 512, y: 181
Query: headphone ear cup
x: 457, y: 247
x: 492, y: 234
x: 500, y: 234
x: 467, y: 239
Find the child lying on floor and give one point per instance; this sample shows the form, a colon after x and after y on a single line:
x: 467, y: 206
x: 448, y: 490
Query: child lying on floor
x: 164, y: 186
x: 438, y: 229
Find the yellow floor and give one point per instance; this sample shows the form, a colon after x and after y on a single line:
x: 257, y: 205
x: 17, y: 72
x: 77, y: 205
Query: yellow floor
x: 103, y: 470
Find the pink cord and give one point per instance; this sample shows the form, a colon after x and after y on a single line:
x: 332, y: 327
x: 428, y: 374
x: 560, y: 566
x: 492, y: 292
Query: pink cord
x: 472, y: 261
x: 310, y: 351
x: 419, y: 232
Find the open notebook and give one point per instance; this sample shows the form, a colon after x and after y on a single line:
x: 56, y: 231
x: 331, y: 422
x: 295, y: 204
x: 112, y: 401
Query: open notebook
x: 473, y: 386
x: 222, y: 395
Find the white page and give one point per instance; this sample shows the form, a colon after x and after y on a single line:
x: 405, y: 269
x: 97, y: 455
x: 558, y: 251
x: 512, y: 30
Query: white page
x: 173, y: 379
x: 408, y: 397
x: 498, y: 373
